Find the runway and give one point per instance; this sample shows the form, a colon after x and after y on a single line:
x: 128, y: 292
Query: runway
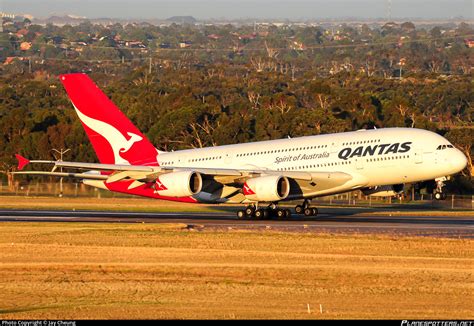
x: 407, y: 225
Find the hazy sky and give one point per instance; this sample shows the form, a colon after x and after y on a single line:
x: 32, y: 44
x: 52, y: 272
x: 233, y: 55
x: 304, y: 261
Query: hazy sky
x: 203, y: 9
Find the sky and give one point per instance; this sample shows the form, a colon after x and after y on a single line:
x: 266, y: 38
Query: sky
x: 236, y: 9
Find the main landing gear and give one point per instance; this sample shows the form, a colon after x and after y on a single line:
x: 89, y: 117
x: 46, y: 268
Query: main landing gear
x: 252, y: 211
x: 306, y: 209
x: 272, y: 211
x: 438, y: 193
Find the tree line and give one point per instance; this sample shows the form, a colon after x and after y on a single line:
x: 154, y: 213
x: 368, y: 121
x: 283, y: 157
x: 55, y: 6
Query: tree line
x: 195, y: 99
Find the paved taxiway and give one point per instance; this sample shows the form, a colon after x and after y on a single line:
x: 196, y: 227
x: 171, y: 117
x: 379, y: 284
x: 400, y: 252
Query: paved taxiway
x: 437, y: 226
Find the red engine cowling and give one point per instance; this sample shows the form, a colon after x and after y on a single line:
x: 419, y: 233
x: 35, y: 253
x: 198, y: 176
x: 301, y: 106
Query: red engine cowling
x: 178, y: 184
x: 268, y: 188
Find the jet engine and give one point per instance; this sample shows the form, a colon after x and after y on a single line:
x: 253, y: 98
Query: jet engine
x: 383, y: 191
x: 268, y: 188
x: 178, y: 184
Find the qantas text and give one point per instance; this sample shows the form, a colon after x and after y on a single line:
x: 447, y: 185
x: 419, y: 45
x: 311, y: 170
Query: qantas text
x: 371, y: 150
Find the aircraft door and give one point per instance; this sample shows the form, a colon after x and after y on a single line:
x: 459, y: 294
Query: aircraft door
x: 419, y: 155
x: 181, y: 160
x: 228, y: 158
x: 359, y: 163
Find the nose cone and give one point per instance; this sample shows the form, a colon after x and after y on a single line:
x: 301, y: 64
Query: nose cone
x: 458, y: 161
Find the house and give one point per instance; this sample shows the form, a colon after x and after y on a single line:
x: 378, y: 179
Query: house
x: 247, y: 37
x: 469, y: 43
x: 135, y: 44
x: 339, y: 37
x: 10, y: 60
x: 213, y: 37
x: 25, y: 46
x: 21, y: 33
x: 78, y: 43
x: 185, y: 44
x: 297, y: 46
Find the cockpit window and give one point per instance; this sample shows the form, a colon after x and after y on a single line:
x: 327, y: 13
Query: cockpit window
x: 441, y: 147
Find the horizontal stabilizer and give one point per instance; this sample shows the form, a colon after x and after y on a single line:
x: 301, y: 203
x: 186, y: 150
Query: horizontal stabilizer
x: 22, y: 162
x: 65, y: 174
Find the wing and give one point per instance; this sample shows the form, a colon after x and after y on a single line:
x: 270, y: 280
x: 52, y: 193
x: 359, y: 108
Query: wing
x: 218, y: 184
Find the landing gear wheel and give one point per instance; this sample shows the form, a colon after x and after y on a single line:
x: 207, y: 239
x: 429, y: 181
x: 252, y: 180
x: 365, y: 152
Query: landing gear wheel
x: 250, y: 211
x: 439, y: 196
x: 241, y: 214
x: 287, y: 213
x: 261, y: 214
x: 280, y: 213
x: 315, y: 211
x: 266, y: 214
x: 308, y: 212
x: 299, y: 209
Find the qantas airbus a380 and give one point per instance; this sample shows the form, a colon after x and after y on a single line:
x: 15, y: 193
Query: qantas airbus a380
x: 378, y: 162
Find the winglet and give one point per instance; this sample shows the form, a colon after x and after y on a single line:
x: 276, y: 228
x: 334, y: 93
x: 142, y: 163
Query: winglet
x: 22, y: 162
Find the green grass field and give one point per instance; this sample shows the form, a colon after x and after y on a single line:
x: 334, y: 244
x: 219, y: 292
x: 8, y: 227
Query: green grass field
x: 79, y: 270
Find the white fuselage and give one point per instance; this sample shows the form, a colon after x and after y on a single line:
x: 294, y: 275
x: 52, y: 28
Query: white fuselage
x: 373, y: 157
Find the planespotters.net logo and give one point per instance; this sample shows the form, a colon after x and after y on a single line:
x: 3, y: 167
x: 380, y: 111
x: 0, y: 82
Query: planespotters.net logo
x: 437, y: 323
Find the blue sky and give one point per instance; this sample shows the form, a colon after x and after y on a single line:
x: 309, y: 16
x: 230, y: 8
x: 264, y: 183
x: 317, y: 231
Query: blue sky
x: 204, y: 9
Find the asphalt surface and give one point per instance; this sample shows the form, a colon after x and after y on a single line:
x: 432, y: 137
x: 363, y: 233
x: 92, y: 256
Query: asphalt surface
x: 407, y: 225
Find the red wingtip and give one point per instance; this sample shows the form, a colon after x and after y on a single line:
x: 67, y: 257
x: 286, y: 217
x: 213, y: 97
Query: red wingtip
x: 22, y: 162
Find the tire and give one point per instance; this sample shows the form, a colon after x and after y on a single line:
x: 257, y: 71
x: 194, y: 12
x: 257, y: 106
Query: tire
x: 315, y: 211
x: 308, y: 211
x: 299, y: 209
x: 438, y: 196
x: 287, y: 213
x: 250, y: 211
x: 259, y: 214
x: 266, y: 214
x: 241, y: 215
x: 280, y: 214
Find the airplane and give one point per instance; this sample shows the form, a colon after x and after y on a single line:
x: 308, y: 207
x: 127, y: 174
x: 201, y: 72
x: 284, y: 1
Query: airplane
x: 259, y: 175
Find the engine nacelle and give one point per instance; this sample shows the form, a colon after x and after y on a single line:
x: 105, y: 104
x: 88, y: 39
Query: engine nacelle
x: 268, y: 188
x: 383, y: 191
x: 178, y: 184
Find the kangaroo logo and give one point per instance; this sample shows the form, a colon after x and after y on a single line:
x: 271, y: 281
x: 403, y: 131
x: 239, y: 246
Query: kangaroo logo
x: 247, y: 190
x: 116, y: 139
x: 159, y: 186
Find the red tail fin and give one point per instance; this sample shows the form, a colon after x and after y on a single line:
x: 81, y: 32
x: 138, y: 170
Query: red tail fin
x: 114, y: 138
x: 22, y: 162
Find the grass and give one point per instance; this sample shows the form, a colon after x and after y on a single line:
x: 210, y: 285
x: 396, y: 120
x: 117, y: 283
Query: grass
x: 134, y: 204
x: 150, y: 271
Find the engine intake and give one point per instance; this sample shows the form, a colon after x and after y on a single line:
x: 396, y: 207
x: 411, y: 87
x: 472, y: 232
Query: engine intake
x: 268, y: 188
x: 178, y: 184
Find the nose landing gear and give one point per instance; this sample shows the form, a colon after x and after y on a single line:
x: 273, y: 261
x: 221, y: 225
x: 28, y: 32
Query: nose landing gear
x: 438, y: 193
